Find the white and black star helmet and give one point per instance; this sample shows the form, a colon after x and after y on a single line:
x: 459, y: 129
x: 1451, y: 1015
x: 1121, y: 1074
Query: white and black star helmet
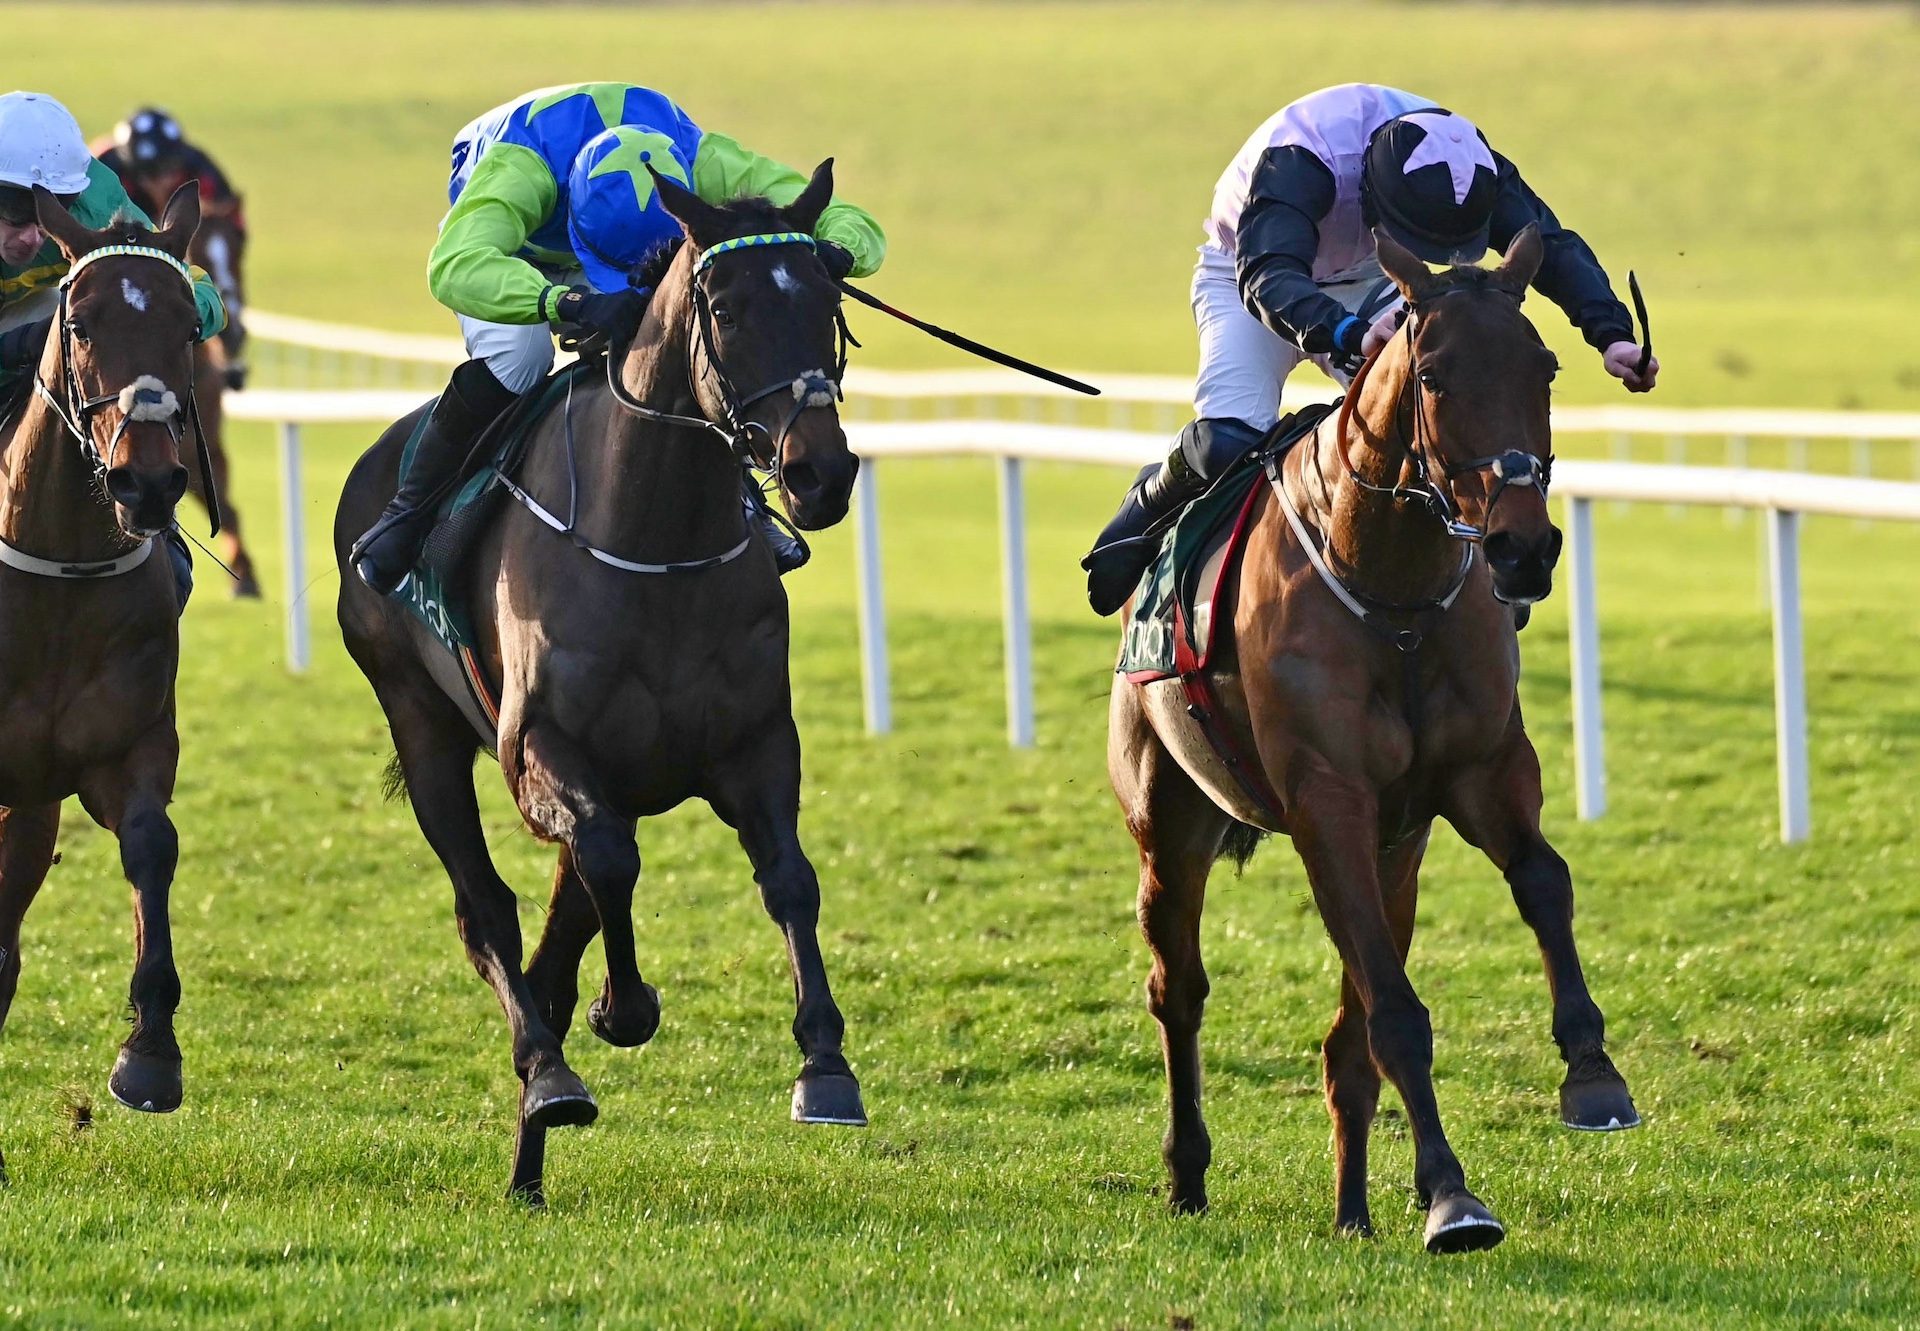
x: 149, y: 137
x: 1430, y: 181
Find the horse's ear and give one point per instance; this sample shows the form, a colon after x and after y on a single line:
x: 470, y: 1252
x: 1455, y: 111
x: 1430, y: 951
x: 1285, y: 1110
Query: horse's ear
x: 1516, y: 271
x: 698, y: 218
x: 179, y: 220
x: 73, y: 238
x: 1412, y: 276
x: 804, y: 212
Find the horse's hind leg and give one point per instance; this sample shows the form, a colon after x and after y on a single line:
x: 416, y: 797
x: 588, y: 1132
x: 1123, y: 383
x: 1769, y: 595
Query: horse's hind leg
x: 130, y: 800
x: 1497, y: 808
x: 436, y: 749
x: 559, y: 795
x: 1353, y: 1082
x: 554, y: 969
x: 759, y: 797
x: 1178, y: 830
x: 27, y: 837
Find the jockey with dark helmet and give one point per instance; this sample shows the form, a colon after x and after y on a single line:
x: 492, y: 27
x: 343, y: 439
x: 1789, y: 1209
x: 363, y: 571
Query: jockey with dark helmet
x: 1287, y: 272
x: 153, y: 157
x: 553, y: 214
x: 41, y: 145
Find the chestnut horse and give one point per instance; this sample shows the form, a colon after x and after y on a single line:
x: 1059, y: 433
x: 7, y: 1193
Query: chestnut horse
x: 90, y: 472
x: 219, y: 247
x: 1371, y: 681
x: 641, y: 660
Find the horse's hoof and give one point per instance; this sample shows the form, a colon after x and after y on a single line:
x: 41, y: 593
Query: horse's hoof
x: 623, y: 1030
x: 558, y: 1099
x: 1461, y: 1224
x: 1187, y: 1201
x: 829, y: 1098
x: 149, y: 1083
x: 1598, y: 1106
x: 246, y: 588
x: 1360, y: 1227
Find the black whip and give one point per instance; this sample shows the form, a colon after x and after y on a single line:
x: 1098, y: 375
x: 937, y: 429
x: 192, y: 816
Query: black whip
x: 967, y: 344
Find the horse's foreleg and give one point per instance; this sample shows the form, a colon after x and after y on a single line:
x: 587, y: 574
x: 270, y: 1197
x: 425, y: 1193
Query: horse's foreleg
x: 27, y: 838
x: 560, y: 796
x: 760, y: 799
x: 436, y: 749
x: 130, y: 800
x: 554, y: 968
x: 1335, y: 823
x: 1497, y: 808
x: 1352, y: 1080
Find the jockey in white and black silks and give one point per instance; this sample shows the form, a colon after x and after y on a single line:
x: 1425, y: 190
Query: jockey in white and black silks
x: 1287, y: 273
x: 553, y: 214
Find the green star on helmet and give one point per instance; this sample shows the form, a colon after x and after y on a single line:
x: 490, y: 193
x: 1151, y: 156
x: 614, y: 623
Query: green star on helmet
x: 635, y: 151
x: 609, y: 99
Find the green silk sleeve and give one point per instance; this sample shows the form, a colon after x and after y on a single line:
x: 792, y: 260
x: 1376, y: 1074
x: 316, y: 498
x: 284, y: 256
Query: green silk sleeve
x: 206, y: 299
x: 723, y: 170
x: 473, y: 269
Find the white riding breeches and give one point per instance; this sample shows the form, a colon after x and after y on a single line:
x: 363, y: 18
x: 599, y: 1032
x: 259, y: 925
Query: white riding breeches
x: 1243, y: 363
x: 520, y: 355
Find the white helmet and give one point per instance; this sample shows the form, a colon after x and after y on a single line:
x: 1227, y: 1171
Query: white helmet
x: 41, y: 144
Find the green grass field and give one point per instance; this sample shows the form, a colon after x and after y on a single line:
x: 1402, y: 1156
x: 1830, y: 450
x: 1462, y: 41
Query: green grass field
x: 341, y: 1154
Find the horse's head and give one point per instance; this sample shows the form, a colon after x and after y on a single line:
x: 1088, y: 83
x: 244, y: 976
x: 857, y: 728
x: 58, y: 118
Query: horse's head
x: 765, y: 347
x: 1480, y: 441
x: 123, y: 348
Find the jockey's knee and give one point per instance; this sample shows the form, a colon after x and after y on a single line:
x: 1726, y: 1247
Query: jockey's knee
x: 1212, y: 444
x: 519, y: 355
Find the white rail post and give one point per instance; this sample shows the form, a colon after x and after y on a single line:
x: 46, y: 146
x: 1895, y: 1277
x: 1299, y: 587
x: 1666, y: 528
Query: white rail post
x: 875, y: 687
x: 1736, y: 459
x: 1789, y: 674
x: 1018, y: 629
x: 293, y: 525
x: 1583, y: 628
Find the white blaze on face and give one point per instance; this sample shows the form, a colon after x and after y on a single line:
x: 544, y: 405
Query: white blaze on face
x: 784, y: 279
x: 133, y: 295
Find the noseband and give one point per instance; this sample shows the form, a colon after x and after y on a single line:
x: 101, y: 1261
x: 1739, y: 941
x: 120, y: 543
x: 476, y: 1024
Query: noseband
x: 808, y: 389
x: 145, y: 399
x: 1514, y: 467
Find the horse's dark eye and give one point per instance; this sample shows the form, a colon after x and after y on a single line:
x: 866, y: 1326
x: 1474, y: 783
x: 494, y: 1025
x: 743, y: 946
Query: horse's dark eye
x: 79, y: 331
x: 1430, y: 381
x: 722, y: 316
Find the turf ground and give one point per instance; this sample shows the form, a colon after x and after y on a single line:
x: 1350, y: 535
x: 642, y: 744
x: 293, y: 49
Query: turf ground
x: 344, y: 1142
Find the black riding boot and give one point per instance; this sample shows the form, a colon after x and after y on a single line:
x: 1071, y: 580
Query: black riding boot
x: 385, y: 556
x: 1129, y: 542
x: 789, y: 551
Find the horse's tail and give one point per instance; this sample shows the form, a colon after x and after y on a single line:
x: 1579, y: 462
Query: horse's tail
x: 393, y: 781
x: 1239, y: 843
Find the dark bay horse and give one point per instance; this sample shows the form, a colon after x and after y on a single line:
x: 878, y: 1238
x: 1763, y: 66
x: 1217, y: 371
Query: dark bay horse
x: 219, y: 246
x: 1372, y: 685
x: 90, y: 472
x: 624, y: 692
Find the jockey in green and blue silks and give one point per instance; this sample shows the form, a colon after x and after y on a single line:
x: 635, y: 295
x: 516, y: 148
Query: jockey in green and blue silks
x: 553, y: 210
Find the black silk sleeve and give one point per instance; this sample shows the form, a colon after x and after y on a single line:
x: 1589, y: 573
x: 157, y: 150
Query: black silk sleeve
x: 1275, y: 243
x: 1570, y: 276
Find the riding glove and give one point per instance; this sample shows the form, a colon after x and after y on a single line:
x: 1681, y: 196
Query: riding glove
x: 617, y: 314
x: 837, y: 258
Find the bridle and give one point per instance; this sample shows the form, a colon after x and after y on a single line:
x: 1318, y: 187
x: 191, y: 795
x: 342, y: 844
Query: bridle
x: 1514, y: 467
x: 809, y: 389
x: 145, y: 399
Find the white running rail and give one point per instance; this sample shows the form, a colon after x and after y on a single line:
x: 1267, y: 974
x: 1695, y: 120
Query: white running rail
x: 1782, y: 495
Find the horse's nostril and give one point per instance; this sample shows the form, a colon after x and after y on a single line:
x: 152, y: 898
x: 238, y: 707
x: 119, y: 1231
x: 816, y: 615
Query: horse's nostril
x: 800, y: 478
x: 1503, y: 549
x: 123, y: 486
x: 177, y: 485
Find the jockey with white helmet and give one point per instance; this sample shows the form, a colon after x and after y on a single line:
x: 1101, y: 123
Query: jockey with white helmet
x: 553, y: 216
x: 1287, y: 272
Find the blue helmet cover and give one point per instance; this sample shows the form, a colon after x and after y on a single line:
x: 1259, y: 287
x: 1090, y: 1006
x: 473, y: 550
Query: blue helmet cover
x: 614, y: 216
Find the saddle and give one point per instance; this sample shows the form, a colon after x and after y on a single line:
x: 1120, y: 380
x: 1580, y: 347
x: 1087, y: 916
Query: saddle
x: 1172, y: 629
x: 464, y: 514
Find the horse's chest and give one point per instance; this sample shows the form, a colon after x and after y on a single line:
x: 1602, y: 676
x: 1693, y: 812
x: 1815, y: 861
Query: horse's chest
x: 60, y: 717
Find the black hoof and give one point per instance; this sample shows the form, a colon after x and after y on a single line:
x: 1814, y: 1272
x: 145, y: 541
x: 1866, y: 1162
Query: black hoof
x: 1361, y: 1227
x: 1187, y: 1201
x: 829, y: 1098
x: 1461, y: 1224
x: 557, y: 1099
x: 246, y: 588
x: 1598, y: 1106
x: 625, y: 1030
x: 147, y: 1082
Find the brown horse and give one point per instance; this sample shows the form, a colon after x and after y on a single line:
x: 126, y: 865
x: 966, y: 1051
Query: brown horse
x: 1372, y: 683
x: 642, y: 661
x: 90, y: 471
x: 219, y: 246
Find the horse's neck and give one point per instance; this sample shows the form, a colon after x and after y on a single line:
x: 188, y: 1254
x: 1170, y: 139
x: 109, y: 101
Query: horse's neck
x: 1393, y: 550
x: 663, y: 493
x: 49, y: 498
